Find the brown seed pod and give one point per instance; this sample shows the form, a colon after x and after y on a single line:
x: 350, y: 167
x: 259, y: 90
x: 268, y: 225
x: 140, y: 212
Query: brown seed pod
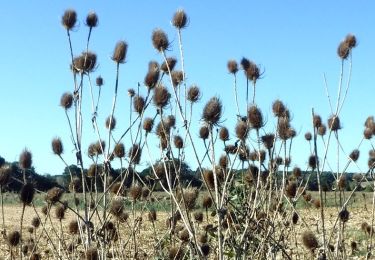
x: 212, y: 111
x: 334, y: 123
x: 354, y: 246
x: 177, y: 77
x: 190, y: 197
x: 131, y: 92
x: 268, y: 140
x: 204, y: 132
x: 344, y: 215
x: 291, y: 189
x: 135, y: 192
x: 242, y: 130
x: 152, y: 215
x: 208, y: 175
x: 184, y: 235
x: 317, y: 121
x: 5, y: 172
x: 73, y: 228
x: 60, y: 212
x: 223, y: 161
x: 307, y: 197
x: 86, y: 62
x: 99, y: 81
x: 245, y: 63
x: 308, y: 136
x: 230, y: 149
x: 295, y: 218
x: 25, y: 159
x: 148, y: 123
x: 297, y: 172
x: 119, y: 150
x: 278, y: 108
x: 92, y: 254
x: 341, y: 183
x: 146, y: 192
x: 66, y: 100
x: 351, y: 40
x: 27, y: 193
x: 92, y: 19
x: 367, y: 133
x: 151, y: 78
x: 117, y: 207
x: 75, y: 185
x: 232, y: 66
x: 283, y: 128
x: 178, y: 142
x: 135, y: 153
x: 160, y: 40
x: 171, y: 63
x: 110, y: 122
x: 69, y: 19
x: 317, y: 203
x: 57, y: 146
x: 119, y: 54
x: 54, y: 195
x: 343, y: 50
x: 45, y: 209
x: 35, y: 222
x: 13, y: 238
x: 198, y: 216
x: 252, y: 72
x: 255, y: 117
x: 309, y: 240
x: 322, y: 130
x: 205, y: 248
x: 224, y: 134
x: 138, y: 104
x: 313, y: 162
x: 354, y: 155
x: 161, y: 96
x: 193, y: 94
x: 180, y: 19
x: 176, y: 253
x: 207, y: 201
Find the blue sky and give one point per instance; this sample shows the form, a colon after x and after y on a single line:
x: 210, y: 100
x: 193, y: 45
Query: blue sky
x: 294, y: 42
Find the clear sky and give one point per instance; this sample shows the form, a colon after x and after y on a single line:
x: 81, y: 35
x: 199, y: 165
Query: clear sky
x: 294, y: 42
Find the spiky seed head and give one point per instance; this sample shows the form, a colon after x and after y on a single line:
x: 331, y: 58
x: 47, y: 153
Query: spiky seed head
x: 176, y: 253
x: 135, y: 153
x: 208, y: 176
x: 25, y: 160
x: 131, y: 92
x: 223, y: 161
x: 54, y: 195
x: 92, y: 19
x: 232, y: 66
x: 308, y: 136
x: 184, y: 235
x: 367, y: 133
x: 180, y: 19
x: 170, y: 121
x: 351, y: 40
x: 317, y: 203
x: 268, y: 140
x: 193, y: 94
x: 117, y: 207
x: 252, y: 72
x: 245, y: 63
x: 242, y: 130
x: 5, y: 173
x: 278, y: 108
x: 119, y: 54
x: 151, y: 78
x: 295, y: 218
x: 119, y: 150
x: 152, y: 215
x: 60, y: 212
x: 224, y: 134
x: 45, y: 210
x: 148, y: 123
x: 255, y: 117
x: 123, y: 217
x: 99, y: 81
x: 198, y: 216
x: 354, y: 155
x: 138, y: 104
x: 283, y: 128
x: 27, y: 193
x: 92, y: 254
x: 291, y: 189
x: 135, y: 192
x: 207, y: 201
x: 190, y: 197
x: 205, y: 249
x: 160, y: 40
x: 57, y: 146
x: 204, y: 132
x: 178, y: 142
x: 317, y: 121
x: 35, y: 222
x: 86, y: 62
x: 161, y: 96
x: 212, y: 111
x: 354, y: 246
x: 341, y: 182
x: 171, y: 63
x: 230, y: 149
x: 334, y: 123
x: 66, y: 100
x: 110, y: 122
x: 313, y: 162
x: 307, y: 197
x: 94, y: 170
x: 309, y: 240
x: 291, y: 132
x: 343, y: 50
x: 344, y: 215
x: 177, y: 77
x: 145, y: 192
x: 297, y: 172
x: 118, y: 189
x: 73, y: 227
x: 13, y: 238
x: 75, y: 185
x: 322, y: 130
x: 69, y: 19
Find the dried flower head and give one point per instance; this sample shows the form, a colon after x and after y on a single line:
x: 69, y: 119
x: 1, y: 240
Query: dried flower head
x: 138, y: 104
x: 313, y: 162
x: 309, y: 240
x: 75, y: 185
x: 119, y: 54
x: 268, y: 140
x: 152, y: 215
x: 13, y: 238
x: 92, y: 19
x: 343, y: 50
x: 92, y: 254
x: 60, y: 212
x: 278, y: 108
x: 252, y: 72
x: 180, y: 19
x: 135, y: 153
x: 341, y: 182
x: 73, y: 228
x: 151, y: 78
x: 131, y: 92
x: 57, y: 146
x: 25, y: 160
x: 232, y: 66
x: 354, y: 155
x: 308, y: 136
x: 171, y: 63
x: 291, y: 189
x: 212, y: 111
x: 148, y: 123
x: 5, y: 172
x: 297, y: 172
x: 54, y: 195
x: 367, y: 133
x: 245, y: 63
x: 242, y: 130
x: 176, y: 253
x: 322, y: 130
x: 198, y: 216
x: 224, y: 134
x: 295, y: 218
x: 208, y: 176
x: 193, y: 94
x: 254, y: 116
x: 334, y: 123
x: 177, y: 77
x: 110, y: 122
x: 178, y: 142
x: 351, y: 40
x: 161, y: 96
x: 204, y: 132
x: 317, y: 121
x: 119, y: 150
x: 117, y: 207
x: 207, y: 201
x: 223, y: 161
x: 99, y: 81
x: 283, y: 128
x: 66, y: 100
x: 27, y: 193
x: 160, y: 40
x: 344, y: 215
x: 86, y: 62
x: 35, y: 222
x: 135, y: 192
x: 69, y: 19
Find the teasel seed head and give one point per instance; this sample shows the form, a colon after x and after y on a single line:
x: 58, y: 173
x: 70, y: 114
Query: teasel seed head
x: 309, y: 240
x: 135, y: 153
x: 27, y: 193
x: 60, y: 212
x: 193, y: 94
x: 73, y: 228
x: 354, y: 246
x: 135, y: 192
x: 180, y: 19
x: 297, y: 172
x: 255, y: 117
x: 242, y: 130
x: 308, y: 136
x: 69, y: 19
x: 245, y: 63
x: 313, y: 162
x: 138, y: 104
x: 178, y: 142
x: 232, y: 66
x: 75, y: 185
x: 92, y: 19
x: 268, y: 140
x: 190, y: 197
x: 344, y: 215
x: 151, y: 78
x: 367, y: 133
x: 341, y: 182
x: 212, y: 111
x: 117, y: 207
x: 206, y: 201
x: 204, y: 132
x: 25, y: 160
x: 351, y: 40
x: 152, y: 215
x: 317, y: 121
x: 208, y: 175
x: 5, y: 173
x: 343, y: 50
x: 322, y: 130
x: 223, y: 161
x: 54, y: 195
x: 317, y: 203
x: 205, y: 249
x: 334, y: 123
x: 198, y: 216
x: 119, y: 150
x: 278, y: 108
x: 160, y: 40
x: 99, y: 81
x: 14, y: 238
x: 57, y: 146
x: 161, y: 96
x: 148, y: 123
x: 110, y: 122
x: 252, y: 72
x: 224, y: 134
x: 35, y: 222
x: 184, y: 235
x: 171, y: 61
x: 119, y: 54
x: 291, y: 189
x: 354, y: 155
x: 283, y: 128
x: 295, y: 218
x: 66, y: 100
x: 131, y: 92
x: 86, y: 62
x: 176, y: 253
x: 92, y: 254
